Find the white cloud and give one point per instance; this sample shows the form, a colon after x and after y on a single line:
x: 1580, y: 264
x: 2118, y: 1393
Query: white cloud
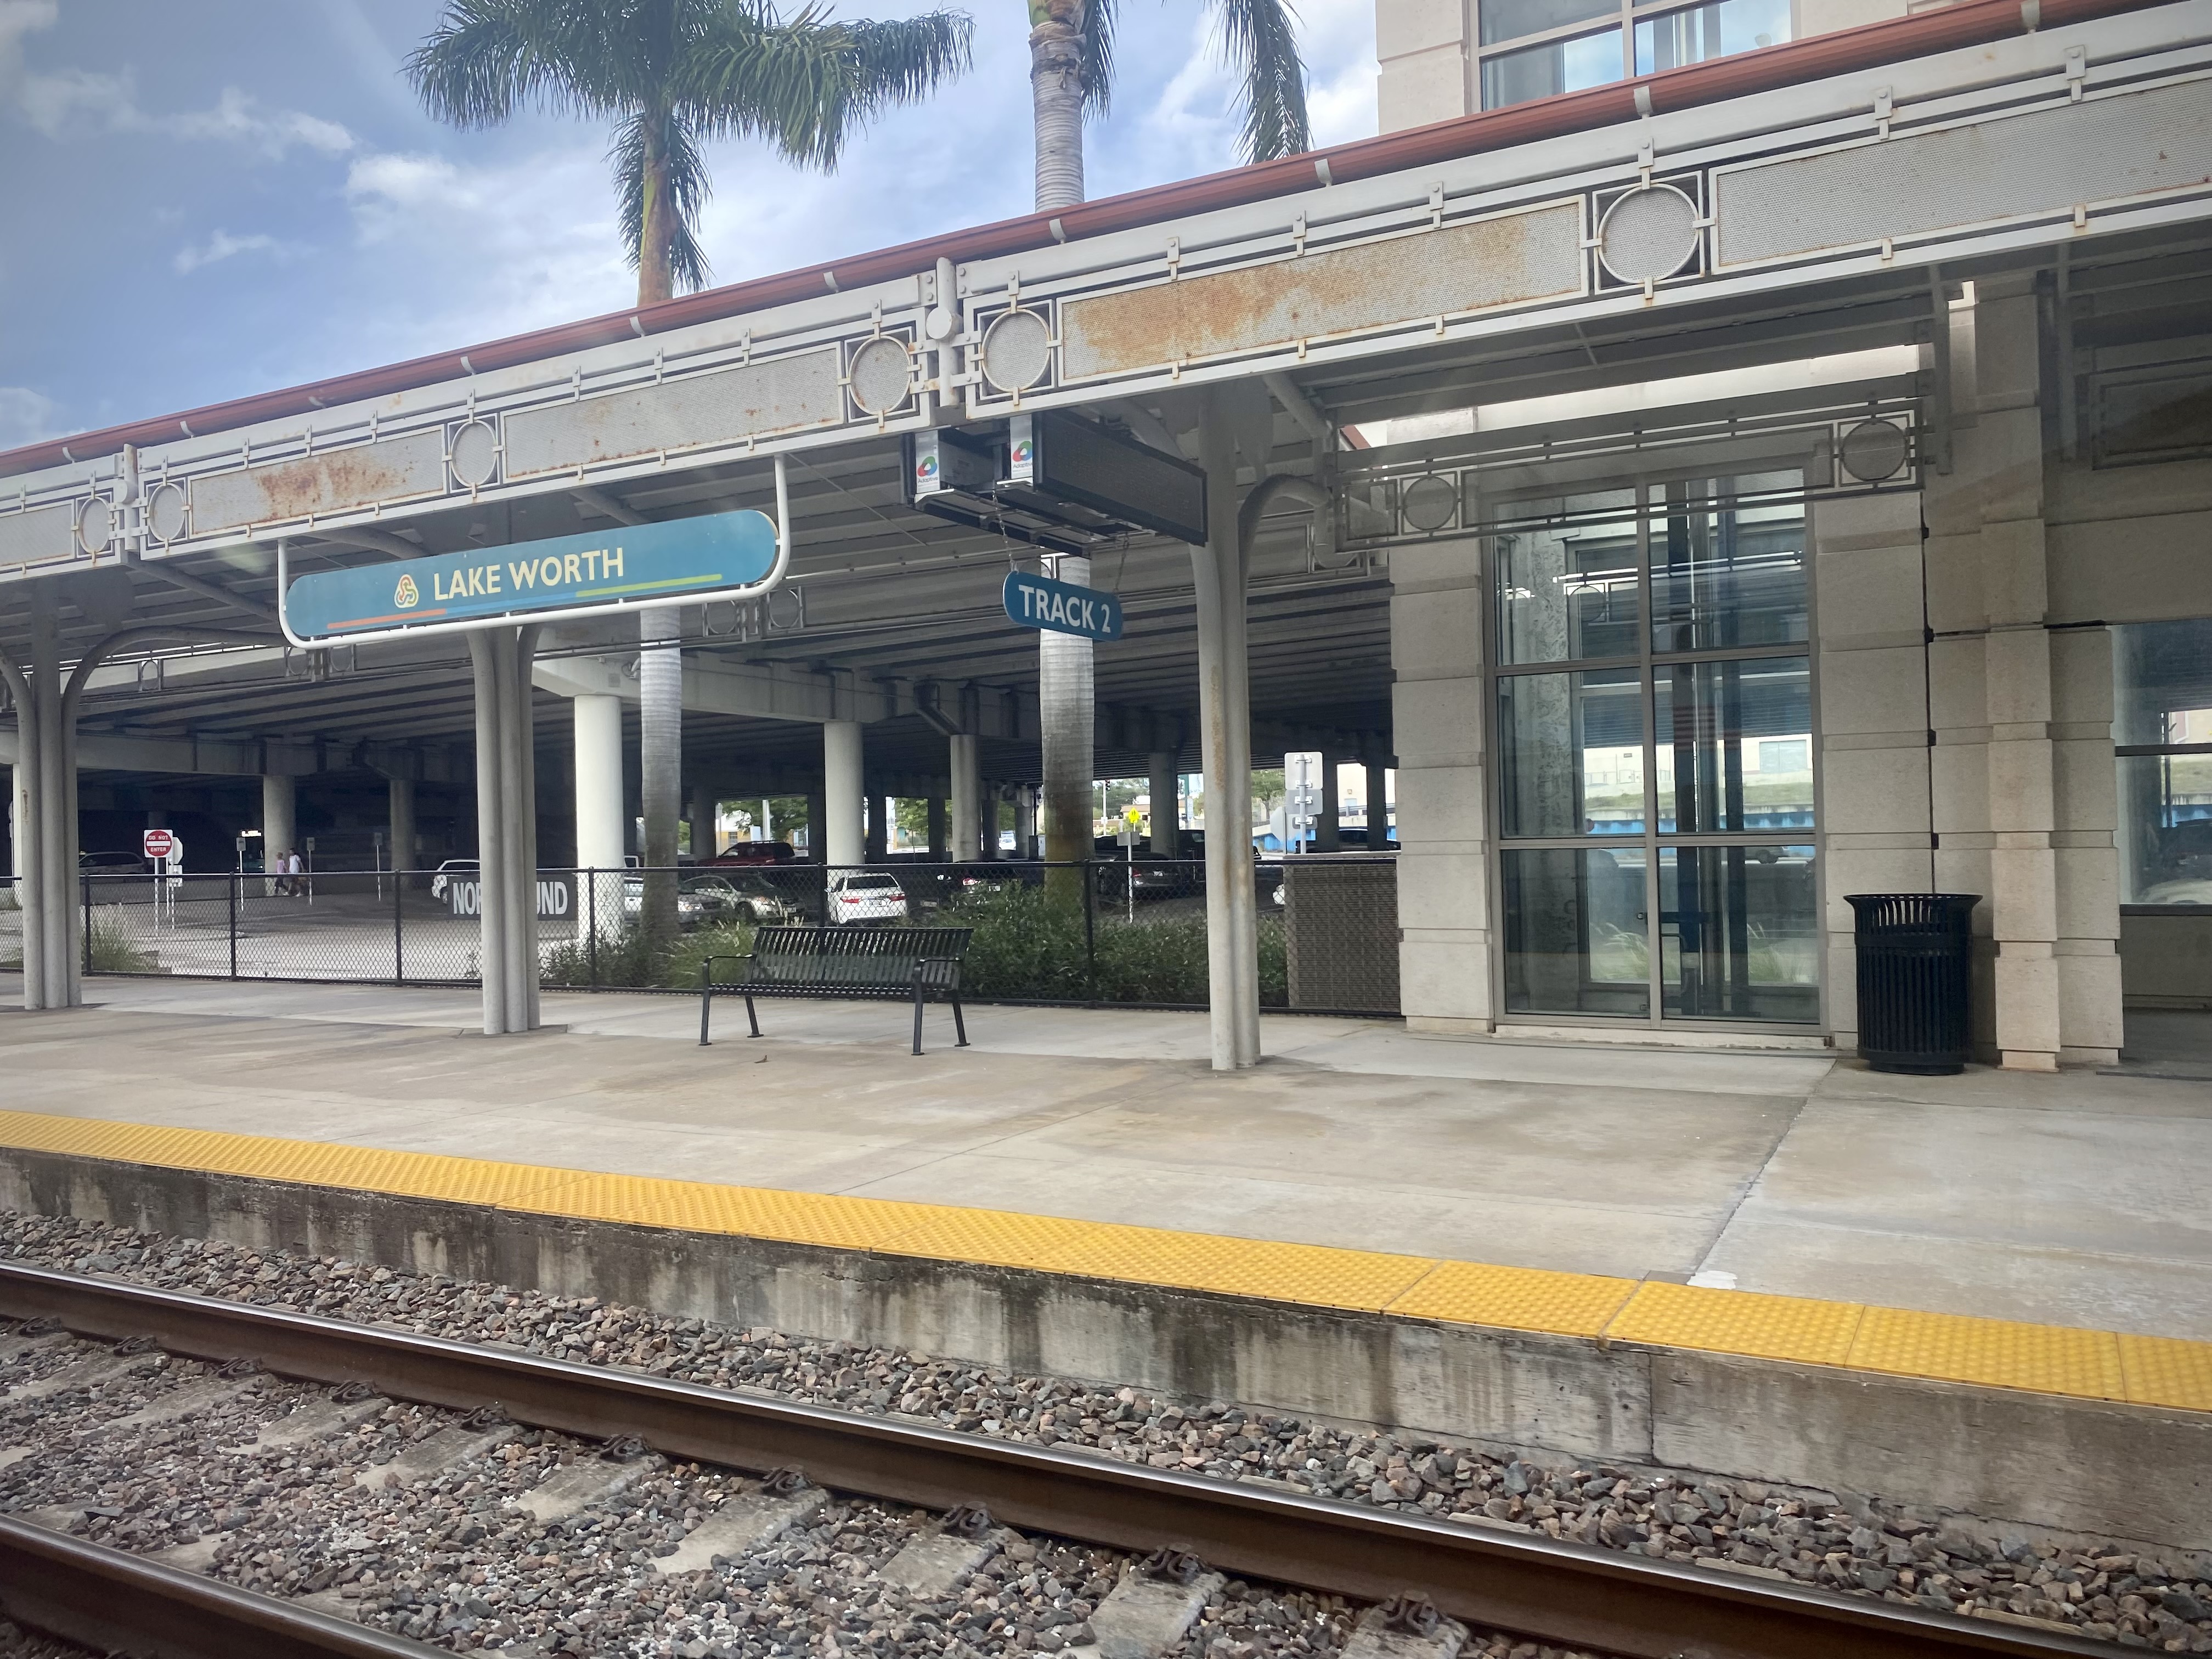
x: 224, y: 245
x: 25, y: 415
x: 487, y: 251
x: 66, y: 103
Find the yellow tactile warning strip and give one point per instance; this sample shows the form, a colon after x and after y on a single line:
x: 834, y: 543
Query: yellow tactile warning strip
x: 2144, y: 1371
x: 1739, y: 1322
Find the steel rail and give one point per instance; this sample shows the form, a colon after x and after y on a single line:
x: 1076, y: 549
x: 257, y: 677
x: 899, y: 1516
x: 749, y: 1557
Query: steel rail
x: 1555, y: 1591
x: 113, y: 1601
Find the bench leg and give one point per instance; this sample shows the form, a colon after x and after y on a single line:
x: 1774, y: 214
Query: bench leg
x: 959, y: 1025
x: 917, y: 1020
x: 751, y: 1018
x: 706, y: 1002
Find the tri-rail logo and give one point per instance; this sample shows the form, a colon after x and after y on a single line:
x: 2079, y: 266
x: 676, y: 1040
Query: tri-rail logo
x: 406, y: 596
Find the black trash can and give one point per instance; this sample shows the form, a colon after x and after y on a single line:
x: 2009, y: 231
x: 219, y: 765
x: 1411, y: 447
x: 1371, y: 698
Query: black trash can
x: 1916, y: 972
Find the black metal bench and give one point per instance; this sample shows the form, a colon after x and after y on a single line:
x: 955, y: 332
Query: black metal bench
x: 845, y: 961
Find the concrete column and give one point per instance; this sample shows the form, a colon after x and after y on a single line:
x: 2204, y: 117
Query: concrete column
x: 877, y: 841
x: 1166, y: 842
x: 1067, y: 716
x: 279, y: 823
x: 596, y: 724
x: 660, y: 760
x: 1326, y: 839
x: 1232, y: 946
x: 2024, y: 804
x: 988, y: 801
x: 817, y: 830
x: 967, y: 798
x: 937, y: 828
x: 840, y: 829
x: 400, y: 821
x: 507, y: 832
x: 701, y: 817
x: 1025, y: 821
x: 1444, y: 810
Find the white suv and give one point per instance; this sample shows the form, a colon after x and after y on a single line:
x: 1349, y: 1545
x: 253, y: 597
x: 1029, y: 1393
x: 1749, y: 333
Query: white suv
x: 865, y: 896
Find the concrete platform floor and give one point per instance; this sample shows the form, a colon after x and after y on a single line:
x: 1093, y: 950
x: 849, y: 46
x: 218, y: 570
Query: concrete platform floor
x: 2074, y: 1198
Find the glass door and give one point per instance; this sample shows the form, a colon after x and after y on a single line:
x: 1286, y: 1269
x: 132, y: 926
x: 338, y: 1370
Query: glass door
x: 1652, y: 723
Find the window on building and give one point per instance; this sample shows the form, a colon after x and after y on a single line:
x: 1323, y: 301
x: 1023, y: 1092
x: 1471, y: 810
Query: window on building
x: 1653, y: 720
x: 2162, y: 733
x: 1535, y: 48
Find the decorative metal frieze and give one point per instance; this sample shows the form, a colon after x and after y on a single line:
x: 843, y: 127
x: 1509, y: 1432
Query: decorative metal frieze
x: 323, y: 482
x: 1885, y: 192
x: 675, y: 415
x: 39, y: 537
x: 1488, y: 263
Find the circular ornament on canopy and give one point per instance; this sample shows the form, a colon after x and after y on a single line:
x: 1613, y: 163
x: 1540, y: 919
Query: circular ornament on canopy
x: 1430, y: 502
x: 165, y: 511
x: 1875, y: 450
x: 882, y: 374
x: 1648, y: 235
x: 1016, y: 350
x: 475, y: 454
x: 95, y: 523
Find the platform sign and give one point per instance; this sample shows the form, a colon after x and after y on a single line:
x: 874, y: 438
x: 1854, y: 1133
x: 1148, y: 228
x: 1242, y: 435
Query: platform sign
x: 1062, y: 607
x: 634, y: 564
x: 157, y: 843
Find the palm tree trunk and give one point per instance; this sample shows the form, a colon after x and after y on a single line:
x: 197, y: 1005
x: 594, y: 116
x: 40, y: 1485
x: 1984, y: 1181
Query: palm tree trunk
x: 655, y: 281
x: 1056, y: 85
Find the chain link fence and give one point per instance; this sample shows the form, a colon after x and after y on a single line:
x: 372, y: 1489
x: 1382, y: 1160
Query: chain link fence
x: 1129, y: 932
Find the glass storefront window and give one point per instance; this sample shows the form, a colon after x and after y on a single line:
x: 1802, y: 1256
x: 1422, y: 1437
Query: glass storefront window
x: 1515, y: 77
x: 1654, y: 727
x: 1739, y: 931
x: 1572, y: 592
x: 1576, y: 936
x: 1723, y: 578
x: 1734, y: 747
x: 2162, y: 727
x: 1571, y: 753
x: 1510, y: 20
x: 1699, y: 33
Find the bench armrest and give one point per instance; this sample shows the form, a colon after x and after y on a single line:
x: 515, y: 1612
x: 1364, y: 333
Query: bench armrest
x: 707, y: 964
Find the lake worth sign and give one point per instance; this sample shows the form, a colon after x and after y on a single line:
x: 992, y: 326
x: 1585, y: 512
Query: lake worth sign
x: 679, y: 559
x: 1062, y: 607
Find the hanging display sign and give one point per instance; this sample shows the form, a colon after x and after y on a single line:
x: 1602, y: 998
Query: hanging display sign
x: 1062, y: 607
x: 716, y: 556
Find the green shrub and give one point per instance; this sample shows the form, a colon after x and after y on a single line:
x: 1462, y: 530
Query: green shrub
x: 1027, y: 943
x: 109, y: 949
x: 627, y: 958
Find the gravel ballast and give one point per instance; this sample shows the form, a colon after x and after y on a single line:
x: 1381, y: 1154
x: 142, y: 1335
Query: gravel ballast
x: 163, y: 1490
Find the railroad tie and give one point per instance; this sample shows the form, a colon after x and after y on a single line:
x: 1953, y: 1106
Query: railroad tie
x: 11, y: 1456
x: 778, y: 1504
x: 1154, y: 1606
x: 183, y: 1401
x: 443, y: 1451
x: 578, y: 1485
x: 88, y: 1373
x: 322, y: 1418
x: 931, y: 1563
x: 1405, y: 1627
x: 20, y: 1342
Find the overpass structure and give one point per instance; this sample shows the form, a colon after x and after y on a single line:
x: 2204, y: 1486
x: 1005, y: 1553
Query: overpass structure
x: 1576, y: 458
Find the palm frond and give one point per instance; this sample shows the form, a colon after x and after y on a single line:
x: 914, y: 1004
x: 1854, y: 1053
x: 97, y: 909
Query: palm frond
x: 1098, y: 21
x: 486, y: 59
x: 688, y: 187
x: 1259, y: 41
x: 803, y: 84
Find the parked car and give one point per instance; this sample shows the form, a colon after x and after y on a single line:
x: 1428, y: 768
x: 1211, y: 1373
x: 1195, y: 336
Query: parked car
x: 445, y: 873
x: 703, y: 900
x: 756, y: 852
x: 112, y: 864
x: 865, y: 895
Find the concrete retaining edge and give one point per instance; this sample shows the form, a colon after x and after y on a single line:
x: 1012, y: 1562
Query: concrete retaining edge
x: 2112, y: 1470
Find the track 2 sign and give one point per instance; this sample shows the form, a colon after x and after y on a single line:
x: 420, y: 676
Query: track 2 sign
x: 1062, y: 607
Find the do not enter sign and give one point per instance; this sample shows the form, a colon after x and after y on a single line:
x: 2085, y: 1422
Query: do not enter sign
x: 159, y: 843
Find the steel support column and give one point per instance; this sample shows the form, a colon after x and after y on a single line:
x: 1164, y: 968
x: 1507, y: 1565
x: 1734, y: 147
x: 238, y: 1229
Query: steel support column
x: 839, y: 829
x: 967, y: 798
x: 1067, y: 719
x: 599, y: 756
x: 1166, y: 842
x: 507, y: 829
x: 1232, y: 944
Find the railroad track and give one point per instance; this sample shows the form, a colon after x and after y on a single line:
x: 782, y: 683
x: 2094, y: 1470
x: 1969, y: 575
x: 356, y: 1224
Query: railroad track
x: 1415, y: 1573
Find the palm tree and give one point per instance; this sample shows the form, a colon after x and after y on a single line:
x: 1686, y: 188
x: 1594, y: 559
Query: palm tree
x: 1070, y: 75
x: 672, y: 75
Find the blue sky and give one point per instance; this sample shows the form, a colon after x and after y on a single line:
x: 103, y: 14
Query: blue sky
x: 220, y: 197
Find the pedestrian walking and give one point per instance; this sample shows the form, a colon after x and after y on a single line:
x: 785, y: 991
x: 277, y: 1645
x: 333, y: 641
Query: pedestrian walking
x: 297, y: 870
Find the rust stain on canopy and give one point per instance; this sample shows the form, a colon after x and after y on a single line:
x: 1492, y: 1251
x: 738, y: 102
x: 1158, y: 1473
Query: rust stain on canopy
x: 1509, y: 260
x: 331, y: 482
